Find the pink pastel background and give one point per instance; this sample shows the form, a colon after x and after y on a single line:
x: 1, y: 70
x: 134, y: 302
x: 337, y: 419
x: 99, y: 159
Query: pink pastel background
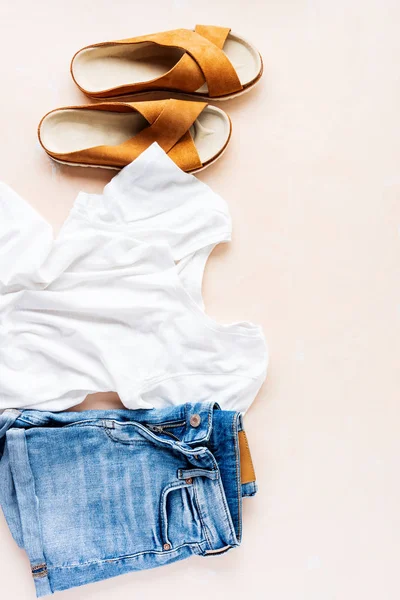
x: 313, y: 182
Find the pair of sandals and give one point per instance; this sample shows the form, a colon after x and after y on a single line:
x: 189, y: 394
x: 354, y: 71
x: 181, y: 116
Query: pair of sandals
x: 209, y: 63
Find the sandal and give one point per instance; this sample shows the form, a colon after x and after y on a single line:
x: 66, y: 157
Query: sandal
x: 210, y: 62
x: 113, y: 134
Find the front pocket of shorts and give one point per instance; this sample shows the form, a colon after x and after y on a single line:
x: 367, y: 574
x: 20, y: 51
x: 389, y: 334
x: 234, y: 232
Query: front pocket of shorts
x: 179, y: 517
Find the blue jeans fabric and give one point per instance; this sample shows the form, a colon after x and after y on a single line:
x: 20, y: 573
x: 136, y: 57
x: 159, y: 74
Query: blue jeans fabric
x: 94, y: 494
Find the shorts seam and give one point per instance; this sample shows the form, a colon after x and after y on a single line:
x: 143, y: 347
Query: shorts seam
x: 224, y: 504
x: 163, y: 507
x: 120, y: 558
x: 238, y: 473
x: 201, y: 516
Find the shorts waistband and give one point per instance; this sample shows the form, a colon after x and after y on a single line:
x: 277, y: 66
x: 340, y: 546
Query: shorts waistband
x: 197, y: 418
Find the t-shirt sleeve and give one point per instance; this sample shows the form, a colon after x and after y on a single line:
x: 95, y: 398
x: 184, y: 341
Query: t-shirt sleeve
x: 157, y: 202
x: 25, y: 242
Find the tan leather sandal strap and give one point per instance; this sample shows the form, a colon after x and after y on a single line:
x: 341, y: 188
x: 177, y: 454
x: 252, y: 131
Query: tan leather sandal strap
x: 173, y: 122
x: 185, y: 76
x: 185, y: 154
x: 170, y: 121
x: 218, y: 71
x: 216, y: 35
x: 150, y: 110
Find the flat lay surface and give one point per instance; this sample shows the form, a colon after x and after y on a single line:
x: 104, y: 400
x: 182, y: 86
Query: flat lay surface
x: 311, y: 178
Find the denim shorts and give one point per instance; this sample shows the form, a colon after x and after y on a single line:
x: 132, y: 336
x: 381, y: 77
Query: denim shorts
x: 95, y: 494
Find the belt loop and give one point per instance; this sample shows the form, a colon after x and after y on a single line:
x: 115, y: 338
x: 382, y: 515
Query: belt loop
x: 189, y: 473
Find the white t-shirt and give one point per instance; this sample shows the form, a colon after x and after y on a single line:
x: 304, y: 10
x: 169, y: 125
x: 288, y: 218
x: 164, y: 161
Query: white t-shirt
x: 114, y: 303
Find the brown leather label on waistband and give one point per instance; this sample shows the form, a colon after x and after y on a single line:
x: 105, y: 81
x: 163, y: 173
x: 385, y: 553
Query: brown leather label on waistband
x: 247, y: 472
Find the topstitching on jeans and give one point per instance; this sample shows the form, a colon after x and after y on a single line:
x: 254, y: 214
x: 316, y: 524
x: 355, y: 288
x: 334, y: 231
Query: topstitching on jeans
x: 126, y: 557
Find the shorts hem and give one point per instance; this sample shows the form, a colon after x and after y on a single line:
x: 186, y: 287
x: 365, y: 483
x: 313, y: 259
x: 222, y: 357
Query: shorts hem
x: 70, y: 576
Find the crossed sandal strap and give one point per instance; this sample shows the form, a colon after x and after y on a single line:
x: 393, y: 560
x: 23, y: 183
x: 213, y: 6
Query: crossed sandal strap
x: 169, y: 124
x: 203, y: 62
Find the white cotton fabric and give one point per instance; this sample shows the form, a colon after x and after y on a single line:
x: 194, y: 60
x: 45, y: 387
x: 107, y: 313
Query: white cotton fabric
x: 114, y: 302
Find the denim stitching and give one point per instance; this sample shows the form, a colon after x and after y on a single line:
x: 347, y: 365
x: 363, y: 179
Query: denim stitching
x: 120, y: 558
x: 224, y: 502
x: 223, y: 497
x: 200, y: 515
x: 210, y: 409
x: 163, y: 512
x: 199, y: 545
x: 164, y: 517
x: 238, y: 479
